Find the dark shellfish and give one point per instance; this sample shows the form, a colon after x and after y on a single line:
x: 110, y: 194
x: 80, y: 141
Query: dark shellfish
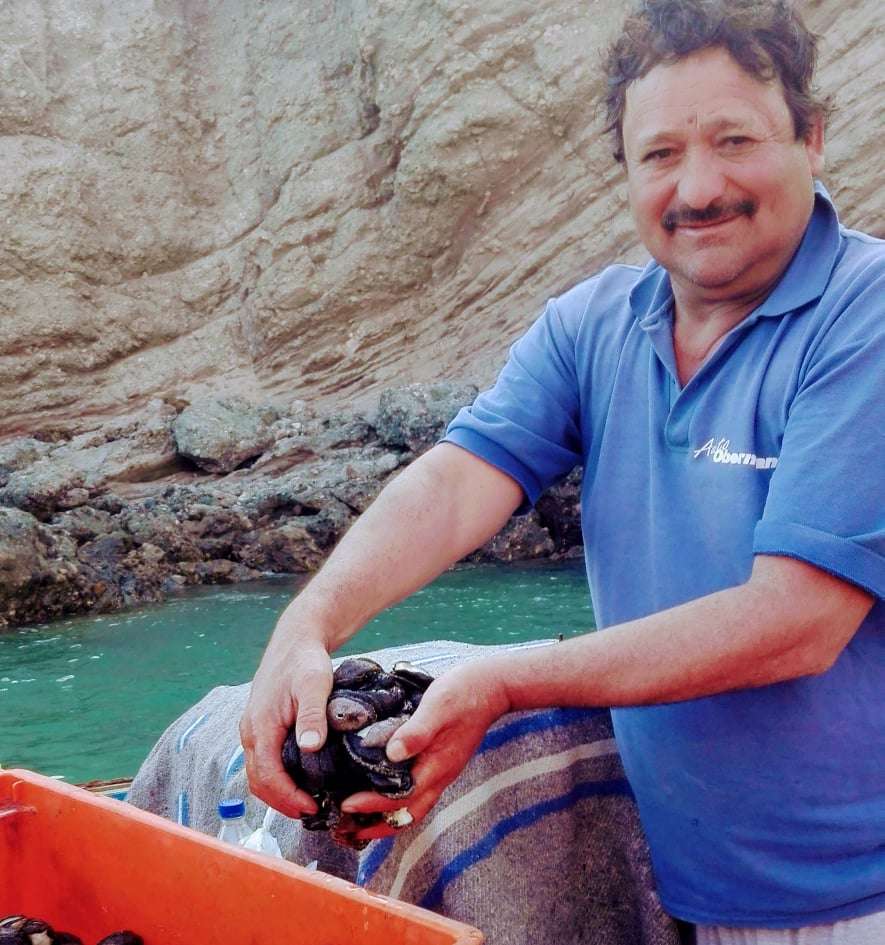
x: 22, y: 930
x: 366, y: 706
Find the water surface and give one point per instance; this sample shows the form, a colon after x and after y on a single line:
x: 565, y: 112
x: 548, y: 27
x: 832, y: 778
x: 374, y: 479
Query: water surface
x: 88, y: 697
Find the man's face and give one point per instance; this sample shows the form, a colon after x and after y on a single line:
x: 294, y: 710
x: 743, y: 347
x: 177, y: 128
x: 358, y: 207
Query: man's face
x: 720, y: 188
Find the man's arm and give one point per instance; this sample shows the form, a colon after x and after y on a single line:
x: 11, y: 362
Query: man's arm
x: 788, y: 620
x: 446, y: 504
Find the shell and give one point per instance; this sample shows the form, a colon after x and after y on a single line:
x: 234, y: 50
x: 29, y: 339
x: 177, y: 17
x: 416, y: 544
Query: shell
x: 346, y: 712
x: 9, y: 935
x: 411, y: 676
x: 379, y: 734
x: 365, y: 707
x: 354, y: 673
x: 38, y: 932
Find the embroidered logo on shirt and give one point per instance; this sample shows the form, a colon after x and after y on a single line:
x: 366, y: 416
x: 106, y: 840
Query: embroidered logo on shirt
x: 719, y: 451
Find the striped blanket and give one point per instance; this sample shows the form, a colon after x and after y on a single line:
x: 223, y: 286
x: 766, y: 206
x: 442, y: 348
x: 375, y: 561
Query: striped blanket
x: 538, y: 840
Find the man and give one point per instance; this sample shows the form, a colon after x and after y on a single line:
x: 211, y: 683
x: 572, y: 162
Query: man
x: 727, y: 405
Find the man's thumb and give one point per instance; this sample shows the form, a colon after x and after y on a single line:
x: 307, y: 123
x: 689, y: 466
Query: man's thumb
x: 409, y: 740
x: 310, y: 725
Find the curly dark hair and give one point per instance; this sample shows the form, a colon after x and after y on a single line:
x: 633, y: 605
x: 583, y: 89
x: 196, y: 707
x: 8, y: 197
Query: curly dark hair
x: 766, y: 38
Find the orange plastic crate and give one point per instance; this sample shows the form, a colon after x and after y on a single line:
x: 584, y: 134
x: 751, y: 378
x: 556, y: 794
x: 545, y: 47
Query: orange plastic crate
x: 93, y: 865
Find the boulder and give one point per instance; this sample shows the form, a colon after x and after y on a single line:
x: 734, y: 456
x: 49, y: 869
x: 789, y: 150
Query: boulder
x: 42, y: 487
x: 416, y: 416
x: 220, y: 434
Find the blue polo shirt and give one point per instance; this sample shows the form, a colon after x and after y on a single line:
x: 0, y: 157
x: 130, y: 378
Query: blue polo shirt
x: 763, y: 807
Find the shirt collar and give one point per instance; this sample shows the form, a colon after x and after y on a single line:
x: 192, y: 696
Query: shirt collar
x: 804, y: 280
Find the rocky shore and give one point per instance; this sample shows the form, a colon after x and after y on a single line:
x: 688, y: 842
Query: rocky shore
x: 218, y: 491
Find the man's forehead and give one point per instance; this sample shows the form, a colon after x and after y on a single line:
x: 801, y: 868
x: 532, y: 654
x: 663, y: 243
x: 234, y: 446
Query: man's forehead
x: 699, y: 91
x: 722, y: 116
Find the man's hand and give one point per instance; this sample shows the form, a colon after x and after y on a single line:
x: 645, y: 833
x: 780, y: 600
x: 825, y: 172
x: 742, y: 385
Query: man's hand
x: 445, y: 731
x: 292, y: 683
x: 443, y: 506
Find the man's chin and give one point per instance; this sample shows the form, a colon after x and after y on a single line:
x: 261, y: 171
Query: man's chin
x: 709, y: 278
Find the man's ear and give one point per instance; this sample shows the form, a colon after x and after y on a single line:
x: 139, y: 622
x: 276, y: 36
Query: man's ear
x: 814, y: 145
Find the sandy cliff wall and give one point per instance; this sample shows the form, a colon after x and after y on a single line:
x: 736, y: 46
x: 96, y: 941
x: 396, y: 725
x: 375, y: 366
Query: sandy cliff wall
x: 318, y: 199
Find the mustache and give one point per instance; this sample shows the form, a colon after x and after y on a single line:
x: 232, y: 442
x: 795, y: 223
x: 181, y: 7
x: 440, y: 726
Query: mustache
x: 709, y: 214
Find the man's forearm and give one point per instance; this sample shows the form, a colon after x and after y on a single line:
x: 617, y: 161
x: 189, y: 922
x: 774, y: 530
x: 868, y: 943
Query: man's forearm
x: 446, y: 504
x: 791, y: 621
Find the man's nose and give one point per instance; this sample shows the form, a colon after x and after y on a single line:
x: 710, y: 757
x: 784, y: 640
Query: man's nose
x: 701, y: 181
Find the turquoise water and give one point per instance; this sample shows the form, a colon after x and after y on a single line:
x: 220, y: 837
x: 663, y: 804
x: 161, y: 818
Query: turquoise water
x: 87, y: 698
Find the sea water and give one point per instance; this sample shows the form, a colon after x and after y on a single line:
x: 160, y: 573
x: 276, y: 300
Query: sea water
x: 87, y: 697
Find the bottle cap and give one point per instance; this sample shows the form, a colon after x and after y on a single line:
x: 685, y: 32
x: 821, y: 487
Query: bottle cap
x: 235, y: 807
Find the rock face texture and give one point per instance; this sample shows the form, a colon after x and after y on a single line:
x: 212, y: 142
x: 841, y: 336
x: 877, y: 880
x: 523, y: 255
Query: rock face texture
x: 317, y: 199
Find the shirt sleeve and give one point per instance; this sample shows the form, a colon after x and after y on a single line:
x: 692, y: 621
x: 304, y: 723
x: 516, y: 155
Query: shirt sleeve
x: 826, y: 501
x: 528, y: 424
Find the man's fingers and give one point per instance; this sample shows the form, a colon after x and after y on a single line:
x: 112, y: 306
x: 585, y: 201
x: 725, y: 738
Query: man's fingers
x: 262, y: 745
x: 268, y: 780
x: 418, y: 805
x: 365, y: 802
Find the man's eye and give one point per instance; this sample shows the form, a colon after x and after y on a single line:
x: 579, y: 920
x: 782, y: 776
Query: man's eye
x: 736, y: 141
x: 658, y: 155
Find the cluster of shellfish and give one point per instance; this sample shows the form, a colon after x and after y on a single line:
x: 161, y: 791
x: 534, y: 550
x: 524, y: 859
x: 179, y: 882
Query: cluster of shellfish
x: 25, y: 930
x: 366, y: 706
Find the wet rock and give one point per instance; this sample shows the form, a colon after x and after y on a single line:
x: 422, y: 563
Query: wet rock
x: 142, y: 574
x: 163, y: 529
x: 215, y: 572
x: 104, y: 554
x: 38, y: 570
x: 415, y: 417
x: 193, y: 530
x: 216, y: 531
x: 288, y: 548
x: 218, y: 435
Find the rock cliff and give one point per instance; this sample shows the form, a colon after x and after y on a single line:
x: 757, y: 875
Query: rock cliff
x: 319, y: 199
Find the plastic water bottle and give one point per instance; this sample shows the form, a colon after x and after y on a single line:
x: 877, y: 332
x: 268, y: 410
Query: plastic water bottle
x: 262, y: 840
x: 234, y: 828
